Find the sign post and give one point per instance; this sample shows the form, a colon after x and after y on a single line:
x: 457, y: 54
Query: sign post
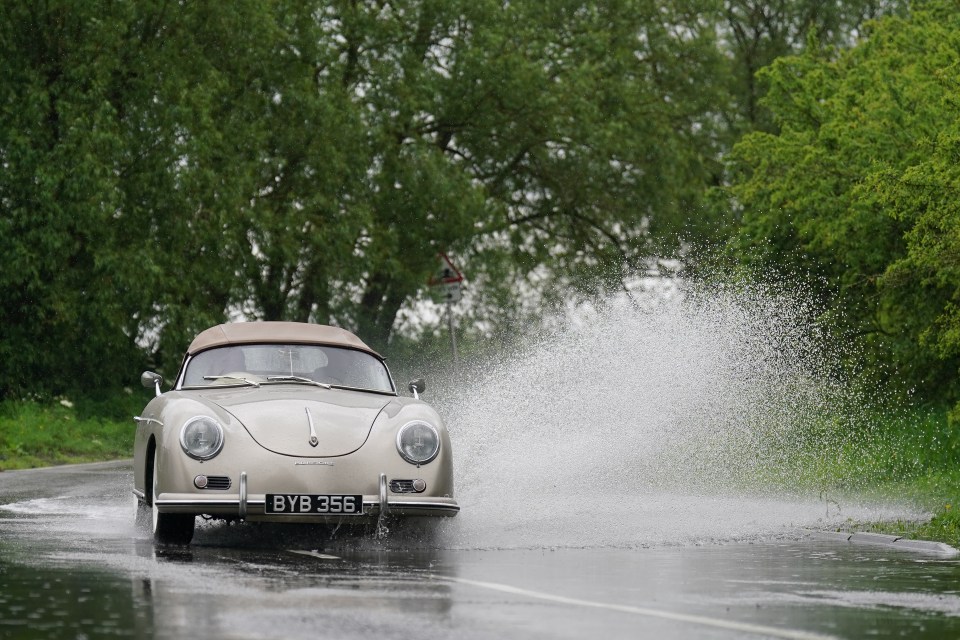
x: 450, y: 278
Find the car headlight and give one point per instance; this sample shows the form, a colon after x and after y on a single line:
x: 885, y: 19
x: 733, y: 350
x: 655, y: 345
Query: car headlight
x: 201, y: 437
x: 418, y: 442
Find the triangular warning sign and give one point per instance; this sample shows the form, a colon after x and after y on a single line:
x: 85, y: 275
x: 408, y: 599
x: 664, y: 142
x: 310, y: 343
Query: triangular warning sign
x: 446, y: 272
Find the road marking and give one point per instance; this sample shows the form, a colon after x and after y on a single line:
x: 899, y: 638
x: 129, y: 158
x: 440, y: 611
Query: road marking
x: 742, y: 627
x: 314, y: 554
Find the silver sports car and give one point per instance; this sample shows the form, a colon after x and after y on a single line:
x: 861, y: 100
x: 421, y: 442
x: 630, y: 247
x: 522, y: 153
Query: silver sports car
x: 286, y: 422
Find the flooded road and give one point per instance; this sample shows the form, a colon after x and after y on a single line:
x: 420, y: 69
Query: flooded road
x: 72, y: 565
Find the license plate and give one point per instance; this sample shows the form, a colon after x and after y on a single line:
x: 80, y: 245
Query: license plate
x: 313, y: 503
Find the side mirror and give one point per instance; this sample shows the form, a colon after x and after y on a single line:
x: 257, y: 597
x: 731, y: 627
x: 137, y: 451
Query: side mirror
x: 149, y: 379
x: 417, y: 387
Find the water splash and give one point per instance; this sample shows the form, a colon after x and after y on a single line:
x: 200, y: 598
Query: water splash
x: 700, y: 416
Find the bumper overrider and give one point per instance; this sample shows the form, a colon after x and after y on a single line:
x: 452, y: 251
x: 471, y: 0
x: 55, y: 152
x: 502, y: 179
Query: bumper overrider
x: 252, y: 507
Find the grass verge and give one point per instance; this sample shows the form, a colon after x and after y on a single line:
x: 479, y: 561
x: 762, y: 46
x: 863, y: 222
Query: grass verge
x: 36, y: 434
x: 911, y: 455
x: 938, y: 491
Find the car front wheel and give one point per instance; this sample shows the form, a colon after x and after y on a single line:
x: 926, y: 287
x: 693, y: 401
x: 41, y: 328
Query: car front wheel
x: 170, y: 528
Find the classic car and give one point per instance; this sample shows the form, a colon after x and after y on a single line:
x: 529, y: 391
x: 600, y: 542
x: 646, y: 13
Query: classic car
x: 286, y: 422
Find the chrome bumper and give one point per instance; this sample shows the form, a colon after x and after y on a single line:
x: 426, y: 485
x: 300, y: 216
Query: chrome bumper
x: 253, y: 507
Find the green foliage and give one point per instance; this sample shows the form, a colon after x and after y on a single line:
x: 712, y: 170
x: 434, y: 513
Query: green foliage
x: 936, y: 491
x: 944, y: 526
x: 758, y: 33
x: 907, y: 447
x: 118, y: 123
x: 35, y: 434
x: 536, y: 132
x: 166, y: 167
x: 908, y: 454
x: 838, y: 191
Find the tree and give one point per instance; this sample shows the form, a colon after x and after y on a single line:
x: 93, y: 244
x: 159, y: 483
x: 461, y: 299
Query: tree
x: 924, y: 280
x: 826, y: 195
x: 756, y: 33
x: 557, y: 137
x: 121, y: 143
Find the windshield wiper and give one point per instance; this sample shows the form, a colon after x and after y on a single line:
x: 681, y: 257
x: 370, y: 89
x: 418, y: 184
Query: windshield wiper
x: 297, y: 379
x: 237, y: 378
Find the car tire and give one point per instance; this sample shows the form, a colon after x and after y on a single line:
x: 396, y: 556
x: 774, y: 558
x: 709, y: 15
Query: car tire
x: 170, y: 528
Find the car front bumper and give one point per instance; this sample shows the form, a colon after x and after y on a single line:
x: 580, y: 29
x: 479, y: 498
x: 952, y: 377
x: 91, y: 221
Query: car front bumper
x: 252, y: 507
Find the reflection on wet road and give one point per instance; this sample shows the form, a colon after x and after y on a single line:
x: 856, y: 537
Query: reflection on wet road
x: 72, y: 566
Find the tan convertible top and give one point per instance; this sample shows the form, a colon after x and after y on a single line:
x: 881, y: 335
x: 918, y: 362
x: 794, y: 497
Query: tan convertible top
x: 276, y: 332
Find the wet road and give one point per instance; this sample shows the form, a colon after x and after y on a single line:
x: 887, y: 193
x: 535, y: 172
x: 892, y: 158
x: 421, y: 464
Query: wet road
x: 73, y: 566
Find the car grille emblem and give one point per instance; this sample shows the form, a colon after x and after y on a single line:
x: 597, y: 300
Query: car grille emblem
x: 314, y: 441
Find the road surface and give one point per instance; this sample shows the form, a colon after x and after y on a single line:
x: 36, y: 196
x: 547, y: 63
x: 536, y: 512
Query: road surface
x: 72, y: 565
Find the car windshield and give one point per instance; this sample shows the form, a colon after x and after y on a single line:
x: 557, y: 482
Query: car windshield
x: 255, y: 364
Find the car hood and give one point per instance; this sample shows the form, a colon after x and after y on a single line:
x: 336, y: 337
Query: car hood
x: 279, y: 417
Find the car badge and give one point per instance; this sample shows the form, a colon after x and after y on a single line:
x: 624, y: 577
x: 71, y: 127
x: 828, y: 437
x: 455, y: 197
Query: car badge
x: 314, y: 441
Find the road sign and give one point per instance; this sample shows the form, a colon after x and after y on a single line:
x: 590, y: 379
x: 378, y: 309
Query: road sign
x: 448, y: 277
x: 446, y: 272
x: 451, y: 291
